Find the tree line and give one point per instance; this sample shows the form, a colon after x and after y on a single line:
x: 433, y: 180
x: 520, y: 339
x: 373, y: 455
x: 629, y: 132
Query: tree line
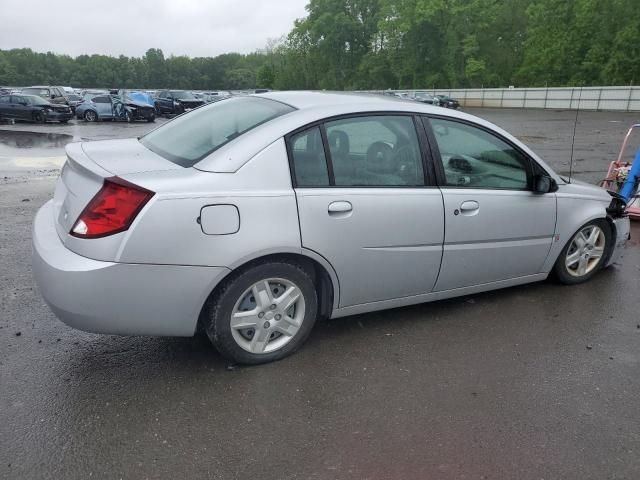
x: 380, y: 44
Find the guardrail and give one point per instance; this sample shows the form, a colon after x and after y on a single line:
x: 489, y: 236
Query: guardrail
x: 625, y: 99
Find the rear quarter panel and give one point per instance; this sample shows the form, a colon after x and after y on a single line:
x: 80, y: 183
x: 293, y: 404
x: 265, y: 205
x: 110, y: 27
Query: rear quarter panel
x: 169, y: 232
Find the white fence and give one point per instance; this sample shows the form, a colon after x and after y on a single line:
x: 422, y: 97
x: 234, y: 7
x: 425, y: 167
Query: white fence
x: 625, y: 99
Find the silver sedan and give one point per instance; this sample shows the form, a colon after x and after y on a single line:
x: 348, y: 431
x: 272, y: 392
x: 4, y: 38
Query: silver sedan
x: 253, y: 217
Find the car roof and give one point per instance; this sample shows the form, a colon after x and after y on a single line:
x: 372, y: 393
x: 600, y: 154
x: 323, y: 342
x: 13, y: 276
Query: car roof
x: 313, y: 106
x: 312, y: 99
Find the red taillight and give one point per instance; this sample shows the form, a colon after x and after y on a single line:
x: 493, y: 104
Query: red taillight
x: 112, y: 209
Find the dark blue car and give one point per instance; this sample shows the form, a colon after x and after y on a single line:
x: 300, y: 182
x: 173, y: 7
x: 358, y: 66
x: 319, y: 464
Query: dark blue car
x: 32, y: 108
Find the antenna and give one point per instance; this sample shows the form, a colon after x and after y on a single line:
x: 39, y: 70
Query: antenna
x: 573, y: 139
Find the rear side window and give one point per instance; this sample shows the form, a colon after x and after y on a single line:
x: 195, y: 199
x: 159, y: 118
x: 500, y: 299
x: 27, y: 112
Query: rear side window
x: 4, y: 99
x: 191, y: 137
x: 309, y: 161
x: 375, y: 151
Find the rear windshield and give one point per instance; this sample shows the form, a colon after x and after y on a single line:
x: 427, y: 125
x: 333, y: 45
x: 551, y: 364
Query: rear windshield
x: 191, y: 137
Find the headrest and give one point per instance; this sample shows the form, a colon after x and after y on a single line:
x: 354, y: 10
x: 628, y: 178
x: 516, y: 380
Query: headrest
x: 338, y: 142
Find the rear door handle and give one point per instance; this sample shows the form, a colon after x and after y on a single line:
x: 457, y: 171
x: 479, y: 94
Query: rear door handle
x: 340, y: 207
x: 469, y: 207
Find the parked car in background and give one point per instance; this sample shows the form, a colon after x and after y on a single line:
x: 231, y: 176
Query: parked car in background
x: 175, y: 102
x: 74, y: 100
x: 215, y: 97
x: 111, y: 107
x: 425, y: 97
x: 33, y: 108
x: 448, y: 102
x: 225, y: 220
x: 51, y: 94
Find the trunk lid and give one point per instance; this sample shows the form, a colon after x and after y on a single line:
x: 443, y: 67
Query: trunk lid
x: 126, y: 156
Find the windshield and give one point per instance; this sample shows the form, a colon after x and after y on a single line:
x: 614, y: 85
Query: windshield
x: 183, y: 95
x: 33, y: 100
x: 191, y: 137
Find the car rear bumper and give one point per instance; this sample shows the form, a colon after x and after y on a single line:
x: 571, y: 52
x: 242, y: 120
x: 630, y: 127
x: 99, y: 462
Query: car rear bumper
x: 117, y: 298
x: 623, y: 229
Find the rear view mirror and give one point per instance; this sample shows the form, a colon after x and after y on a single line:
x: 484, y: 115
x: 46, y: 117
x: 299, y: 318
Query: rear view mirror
x: 544, y: 184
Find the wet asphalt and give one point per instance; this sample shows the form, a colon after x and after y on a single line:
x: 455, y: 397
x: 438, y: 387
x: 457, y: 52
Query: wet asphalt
x: 534, y: 382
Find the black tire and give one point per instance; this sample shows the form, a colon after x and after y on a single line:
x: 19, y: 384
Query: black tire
x: 64, y: 121
x: 90, y: 116
x: 221, y: 305
x: 38, y: 117
x: 151, y: 118
x: 560, y: 268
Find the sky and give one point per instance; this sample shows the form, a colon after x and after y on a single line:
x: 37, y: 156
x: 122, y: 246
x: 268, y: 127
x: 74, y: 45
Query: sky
x: 195, y: 28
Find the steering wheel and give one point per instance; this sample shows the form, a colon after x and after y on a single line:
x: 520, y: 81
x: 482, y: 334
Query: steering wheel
x: 379, y: 155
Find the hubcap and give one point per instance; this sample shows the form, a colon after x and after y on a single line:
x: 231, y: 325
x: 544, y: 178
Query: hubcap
x: 585, y: 251
x: 267, y: 315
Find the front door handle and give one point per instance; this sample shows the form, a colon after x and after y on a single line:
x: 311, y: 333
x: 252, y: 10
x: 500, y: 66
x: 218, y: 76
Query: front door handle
x: 469, y: 207
x: 340, y: 207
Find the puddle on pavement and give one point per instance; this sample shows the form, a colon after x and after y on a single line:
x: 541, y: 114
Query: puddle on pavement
x: 36, y: 151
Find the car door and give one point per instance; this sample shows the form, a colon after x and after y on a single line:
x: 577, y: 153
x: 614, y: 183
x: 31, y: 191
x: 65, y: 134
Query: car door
x: 496, y: 227
x: 6, y: 107
x: 103, y: 106
x: 21, y: 108
x: 166, y: 102
x: 366, y: 205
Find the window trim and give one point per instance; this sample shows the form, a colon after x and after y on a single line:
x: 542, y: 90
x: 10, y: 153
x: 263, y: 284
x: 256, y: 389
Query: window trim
x: 426, y: 155
x: 439, y: 166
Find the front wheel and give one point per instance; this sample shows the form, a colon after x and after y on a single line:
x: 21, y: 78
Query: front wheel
x: 585, y: 253
x: 38, y: 117
x: 263, y: 314
x: 90, y: 116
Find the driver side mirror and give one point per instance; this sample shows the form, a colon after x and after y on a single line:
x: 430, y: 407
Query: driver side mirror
x: 544, y: 184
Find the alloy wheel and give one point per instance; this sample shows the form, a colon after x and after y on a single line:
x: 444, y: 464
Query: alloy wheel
x: 267, y: 315
x: 585, y: 251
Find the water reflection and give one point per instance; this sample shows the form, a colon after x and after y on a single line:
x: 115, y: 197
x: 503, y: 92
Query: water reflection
x: 18, y: 139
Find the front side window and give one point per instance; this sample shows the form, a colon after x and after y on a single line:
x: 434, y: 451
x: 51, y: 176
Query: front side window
x: 5, y: 99
x: 309, y: 161
x: 374, y: 151
x: 189, y: 138
x: 475, y: 158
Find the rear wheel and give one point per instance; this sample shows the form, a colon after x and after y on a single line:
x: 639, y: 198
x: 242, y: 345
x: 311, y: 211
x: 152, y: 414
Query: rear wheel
x: 585, y: 253
x: 38, y: 117
x: 263, y: 314
x: 90, y: 116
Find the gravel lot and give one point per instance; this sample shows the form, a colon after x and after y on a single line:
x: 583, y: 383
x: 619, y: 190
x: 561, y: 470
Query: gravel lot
x: 534, y: 382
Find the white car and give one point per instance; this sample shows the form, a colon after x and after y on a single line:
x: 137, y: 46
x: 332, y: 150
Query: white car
x: 254, y: 216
